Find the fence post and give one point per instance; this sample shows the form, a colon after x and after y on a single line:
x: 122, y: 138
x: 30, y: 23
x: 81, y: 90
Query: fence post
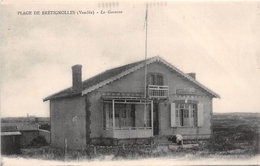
x: 43, y: 152
x: 95, y: 150
x: 82, y: 150
x: 258, y: 142
x: 65, y: 149
x: 124, y: 146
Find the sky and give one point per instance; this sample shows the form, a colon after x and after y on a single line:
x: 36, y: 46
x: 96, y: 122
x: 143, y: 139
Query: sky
x: 219, y: 41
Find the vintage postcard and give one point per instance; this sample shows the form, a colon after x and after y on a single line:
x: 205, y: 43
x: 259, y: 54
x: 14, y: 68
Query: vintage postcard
x: 127, y: 82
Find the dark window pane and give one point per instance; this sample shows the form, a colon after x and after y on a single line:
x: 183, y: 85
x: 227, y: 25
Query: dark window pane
x: 151, y: 79
x: 159, y: 80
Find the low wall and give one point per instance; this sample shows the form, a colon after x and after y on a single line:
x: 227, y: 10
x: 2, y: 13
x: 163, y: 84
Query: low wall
x: 46, y: 134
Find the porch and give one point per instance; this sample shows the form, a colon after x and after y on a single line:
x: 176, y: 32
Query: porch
x: 127, y: 117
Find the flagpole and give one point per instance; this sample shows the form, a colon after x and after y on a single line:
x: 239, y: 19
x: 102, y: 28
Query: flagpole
x: 145, y: 70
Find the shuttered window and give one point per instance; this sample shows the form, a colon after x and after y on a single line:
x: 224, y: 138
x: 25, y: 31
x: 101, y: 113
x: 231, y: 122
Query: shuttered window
x: 187, y: 115
x: 173, y: 120
x: 200, y: 115
x: 107, y: 115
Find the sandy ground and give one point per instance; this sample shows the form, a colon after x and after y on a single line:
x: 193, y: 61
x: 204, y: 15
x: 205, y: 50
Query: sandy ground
x: 186, y: 160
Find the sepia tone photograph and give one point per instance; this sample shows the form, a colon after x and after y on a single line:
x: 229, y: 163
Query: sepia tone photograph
x: 130, y: 83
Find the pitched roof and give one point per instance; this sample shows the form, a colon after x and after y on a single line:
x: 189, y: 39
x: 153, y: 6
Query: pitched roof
x: 8, y: 128
x: 22, y: 126
x: 93, y: 81
x: 28, y: 127
x: 113, y: 74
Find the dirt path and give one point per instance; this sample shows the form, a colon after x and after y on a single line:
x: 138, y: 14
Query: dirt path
x: 186, y: 160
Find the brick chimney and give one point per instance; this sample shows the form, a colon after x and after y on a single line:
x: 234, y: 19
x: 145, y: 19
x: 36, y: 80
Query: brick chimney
x: 193, y: 75
x: 76, y: 78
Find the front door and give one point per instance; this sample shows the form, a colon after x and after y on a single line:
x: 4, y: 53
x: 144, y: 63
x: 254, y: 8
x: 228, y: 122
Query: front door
x: 155, y: 119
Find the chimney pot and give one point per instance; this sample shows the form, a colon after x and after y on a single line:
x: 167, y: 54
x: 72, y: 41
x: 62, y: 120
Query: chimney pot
x: 76, y: 77
x: 193, y: 75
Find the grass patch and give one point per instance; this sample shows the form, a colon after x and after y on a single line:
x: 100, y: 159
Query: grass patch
x: 232, y: 136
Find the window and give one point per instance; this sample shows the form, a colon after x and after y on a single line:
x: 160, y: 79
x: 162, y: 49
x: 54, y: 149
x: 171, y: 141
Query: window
x: 159, y: 79
x: 186, y: 114
x: 124, y: 115
x: 151, y: 80
x: 155, y: 79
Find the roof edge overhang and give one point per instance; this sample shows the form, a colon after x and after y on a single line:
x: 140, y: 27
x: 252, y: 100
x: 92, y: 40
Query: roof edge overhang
x: 11, y: 133
x: 215, y: 95
x: 70, y: 95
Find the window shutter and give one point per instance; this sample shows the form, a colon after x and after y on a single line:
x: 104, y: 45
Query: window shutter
x: 200, y: 115
x: 173, y: 121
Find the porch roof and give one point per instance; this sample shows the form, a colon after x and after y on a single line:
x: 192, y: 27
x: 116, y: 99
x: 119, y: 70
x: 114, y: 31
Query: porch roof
x: 125, y: 99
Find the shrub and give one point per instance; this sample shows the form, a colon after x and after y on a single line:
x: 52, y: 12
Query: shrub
x: 45, y: 126
x: 219, y: 143
x: 39, y: 141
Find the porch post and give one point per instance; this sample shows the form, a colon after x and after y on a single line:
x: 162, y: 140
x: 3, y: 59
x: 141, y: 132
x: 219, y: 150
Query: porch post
x: 145, y: 116
x: 190, y: 116
x: 152, y: 116
x: 113, y: 110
